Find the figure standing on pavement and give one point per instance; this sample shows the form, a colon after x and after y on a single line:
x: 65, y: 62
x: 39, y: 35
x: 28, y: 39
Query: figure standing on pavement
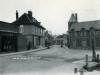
x: 61, y: 44
x: 29, y: 45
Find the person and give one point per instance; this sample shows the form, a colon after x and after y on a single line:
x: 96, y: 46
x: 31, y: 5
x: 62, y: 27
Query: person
x: 61, y: 45
x: 29, y: 45
x: 48, y: 46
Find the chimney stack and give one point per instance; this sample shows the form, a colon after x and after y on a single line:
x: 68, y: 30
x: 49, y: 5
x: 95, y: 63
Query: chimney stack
x: 16, y: 14
x: 76, y: 17
x: 30, y: 14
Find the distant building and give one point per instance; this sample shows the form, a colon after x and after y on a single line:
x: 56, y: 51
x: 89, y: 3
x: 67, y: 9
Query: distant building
x: 61, y: 39
x: 31, y: 29
x: 81, y: 33
x: 48, y: 38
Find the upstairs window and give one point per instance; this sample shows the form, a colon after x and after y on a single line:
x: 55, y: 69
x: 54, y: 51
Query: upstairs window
x: 92, y: 32
x: 97, y: 33
x: 73, y: 33
x: 70, y: 34
x: 88, y: 33
x: 83, y: 32
x: 78, y: 33
x: 21, y: 29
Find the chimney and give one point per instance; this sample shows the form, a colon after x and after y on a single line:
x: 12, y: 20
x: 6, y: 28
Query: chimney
x: 72, y: 14
x: 30, y: 14
x: 16, y: 14
x: 76, y: 17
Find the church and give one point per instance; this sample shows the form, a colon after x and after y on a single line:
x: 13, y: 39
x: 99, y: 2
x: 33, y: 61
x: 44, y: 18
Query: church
x: 82, y: 33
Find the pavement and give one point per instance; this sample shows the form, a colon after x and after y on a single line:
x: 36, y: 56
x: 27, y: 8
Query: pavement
x: 27, y: 51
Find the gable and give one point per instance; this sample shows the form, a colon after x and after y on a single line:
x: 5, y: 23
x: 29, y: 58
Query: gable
x: 25, y: 19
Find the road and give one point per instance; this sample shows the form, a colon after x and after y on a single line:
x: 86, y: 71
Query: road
x: 53, y: 61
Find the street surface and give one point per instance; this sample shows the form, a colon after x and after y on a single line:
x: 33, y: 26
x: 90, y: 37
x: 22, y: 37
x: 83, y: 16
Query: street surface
x: 53, y: 61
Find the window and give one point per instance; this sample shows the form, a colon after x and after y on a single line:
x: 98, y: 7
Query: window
x: 87, y: 33
x: 74, y: 43
x: 83, y: 32
x: 39, y: 30
x: 97, y: 33
x: 84, y: 43
x: 21, y: 29
x: 42, y: 31
x: 92, y: 31
x: 78, y: 33
x: 36, y: 30
x: 70, y: 34
x: 73, y: 33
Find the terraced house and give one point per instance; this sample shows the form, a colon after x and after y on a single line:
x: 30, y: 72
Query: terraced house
x: 31, y: 29
x: 81, y: 33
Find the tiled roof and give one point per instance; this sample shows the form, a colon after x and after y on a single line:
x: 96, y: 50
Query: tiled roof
x: 26, y: 20
x: 87, y: 25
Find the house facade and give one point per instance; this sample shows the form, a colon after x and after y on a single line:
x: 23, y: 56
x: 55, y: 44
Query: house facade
x: 82, y: 33
x: 31, y: 29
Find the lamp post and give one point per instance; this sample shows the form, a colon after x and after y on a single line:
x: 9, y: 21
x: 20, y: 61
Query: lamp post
x: 93, y: 51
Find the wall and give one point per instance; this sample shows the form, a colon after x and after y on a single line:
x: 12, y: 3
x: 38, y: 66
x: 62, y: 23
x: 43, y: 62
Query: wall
x: 32, y: 29
x: 22, y: 43
x: 42, y: 41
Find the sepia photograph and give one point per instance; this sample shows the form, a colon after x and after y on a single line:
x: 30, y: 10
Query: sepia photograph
x: 49, y: 37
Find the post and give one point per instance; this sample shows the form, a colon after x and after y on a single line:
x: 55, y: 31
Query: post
x: 75, y: 70
x: 86, y: 60
x: 93, y: 51
x: 97, y: 58
x: 81, y: 72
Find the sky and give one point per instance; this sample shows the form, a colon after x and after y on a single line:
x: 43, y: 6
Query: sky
x: 53, y: 14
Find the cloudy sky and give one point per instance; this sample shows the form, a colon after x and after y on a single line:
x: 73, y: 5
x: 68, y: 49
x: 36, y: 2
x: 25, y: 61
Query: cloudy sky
x: 53, y: 14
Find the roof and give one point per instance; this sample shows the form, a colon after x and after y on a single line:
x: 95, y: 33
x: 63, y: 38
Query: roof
x: 26, y: 20
x: 8, y: 27
x: 5, y: 23
x: 86, y: 25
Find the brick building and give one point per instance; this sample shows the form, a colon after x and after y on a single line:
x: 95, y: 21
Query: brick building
x: 23, y: 33
x: 81, y: 33
x: 31, y: 29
